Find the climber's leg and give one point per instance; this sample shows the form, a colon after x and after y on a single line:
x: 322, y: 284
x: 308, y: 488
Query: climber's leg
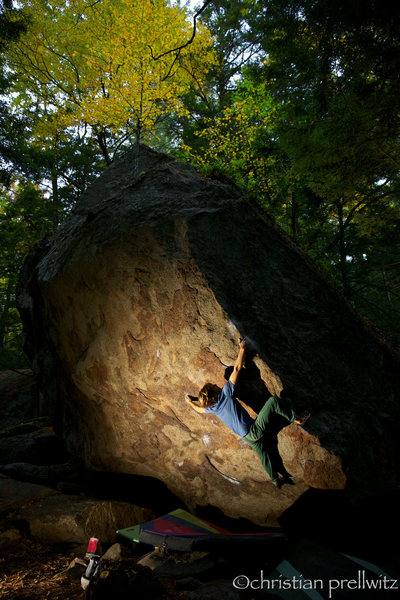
x: 261, y: 450
x: 263, y: 440
x: 271, y: 442
x: 284, y: 408
x: 273, y: 406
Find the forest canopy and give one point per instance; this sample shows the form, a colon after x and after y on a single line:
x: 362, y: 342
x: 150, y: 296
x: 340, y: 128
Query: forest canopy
x: 298, y: 102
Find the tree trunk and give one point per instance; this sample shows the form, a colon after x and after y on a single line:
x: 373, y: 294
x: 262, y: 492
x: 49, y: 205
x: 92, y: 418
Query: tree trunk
x: 56, y: 199
x: 294, y: 217
x: 6, y: 302
x: 387, y: 289
x: 343, y: 252
x: 100, y: 137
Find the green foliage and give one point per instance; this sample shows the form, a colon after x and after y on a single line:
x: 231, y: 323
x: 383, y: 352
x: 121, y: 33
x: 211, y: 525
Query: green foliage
x: 333, y: 67
x: 12, y: 24
x: 312, y: 131
x: 25, y: 217
x: 373, y: 242
x: 233, y: 49
x: 229, y: 143
x: 107, y: 64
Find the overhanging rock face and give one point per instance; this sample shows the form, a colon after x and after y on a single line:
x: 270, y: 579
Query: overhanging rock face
x: 141, y: 296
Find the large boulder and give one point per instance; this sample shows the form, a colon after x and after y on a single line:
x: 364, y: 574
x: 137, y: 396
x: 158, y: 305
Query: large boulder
x: 141, y: 296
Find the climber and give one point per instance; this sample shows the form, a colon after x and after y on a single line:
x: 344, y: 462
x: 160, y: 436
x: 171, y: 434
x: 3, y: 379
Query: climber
x: 257, y: 433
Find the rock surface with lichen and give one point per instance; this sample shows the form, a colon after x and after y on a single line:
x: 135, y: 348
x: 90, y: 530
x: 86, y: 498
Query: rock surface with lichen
x: 141, y: 296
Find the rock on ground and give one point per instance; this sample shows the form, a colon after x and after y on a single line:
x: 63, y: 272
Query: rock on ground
x: 9, y: 539
x: 18, y: 397
x: 117, y: 552
x: 141, y: 296
x: 55, y: 518
x: 178, y: 565
x: 59, y: 475
x: 14, y: 494
x: 34, y: 441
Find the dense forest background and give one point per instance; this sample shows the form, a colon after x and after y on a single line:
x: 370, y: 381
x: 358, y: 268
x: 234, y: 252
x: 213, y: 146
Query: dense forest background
x: 297, y: 101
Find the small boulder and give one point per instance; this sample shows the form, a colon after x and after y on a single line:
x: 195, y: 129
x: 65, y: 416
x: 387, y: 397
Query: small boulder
x: 117, y: 552
x: 18, y: 397
x: 62, y: 475
x: 34, y: 442
x: 14, y: 494
x: 75, y: 569
x: 63, y: 519
x: 182, y: 565
x: 9, y: 539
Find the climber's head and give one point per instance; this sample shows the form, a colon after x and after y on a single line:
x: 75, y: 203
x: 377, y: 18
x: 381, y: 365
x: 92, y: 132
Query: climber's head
x: 208, y: 395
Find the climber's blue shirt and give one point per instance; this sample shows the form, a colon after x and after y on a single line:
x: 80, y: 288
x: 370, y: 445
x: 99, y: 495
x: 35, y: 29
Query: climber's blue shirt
x: 228, y: 409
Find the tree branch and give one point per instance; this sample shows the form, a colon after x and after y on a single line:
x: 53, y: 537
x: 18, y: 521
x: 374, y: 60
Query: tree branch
x: 85, y: 9
x: 179, y: 49
x: 345, y: 224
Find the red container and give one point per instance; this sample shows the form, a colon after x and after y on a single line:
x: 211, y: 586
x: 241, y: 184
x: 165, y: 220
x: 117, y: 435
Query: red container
x: 93, y: 546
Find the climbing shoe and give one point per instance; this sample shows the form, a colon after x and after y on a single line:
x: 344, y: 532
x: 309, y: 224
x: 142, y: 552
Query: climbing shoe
x: 287, y: 479
x: 277, y: 483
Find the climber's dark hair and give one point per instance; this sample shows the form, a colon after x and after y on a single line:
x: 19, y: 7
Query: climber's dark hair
x: 208, y: 395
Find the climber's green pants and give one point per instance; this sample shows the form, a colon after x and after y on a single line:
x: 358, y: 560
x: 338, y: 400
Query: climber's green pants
x: 260, y: 436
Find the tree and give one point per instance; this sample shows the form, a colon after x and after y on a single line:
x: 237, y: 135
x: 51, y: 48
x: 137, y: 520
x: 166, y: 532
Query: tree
x: 330, y: 71
x: 108, y: 64
x: 233, y: 50
x: 12, y: 24
x: 31, y: 159
x: 333, y: 67
x: 241, y: 143
x: 64, y: 161
x: 228, y: 142
x: 233, y: 46
x: 25, y: 217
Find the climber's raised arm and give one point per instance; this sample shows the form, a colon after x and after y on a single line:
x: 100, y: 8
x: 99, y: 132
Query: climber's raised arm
x: 239, y: 362
x: 194, y: 404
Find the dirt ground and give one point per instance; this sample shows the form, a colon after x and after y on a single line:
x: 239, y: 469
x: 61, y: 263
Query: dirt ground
x: 34, y: 571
